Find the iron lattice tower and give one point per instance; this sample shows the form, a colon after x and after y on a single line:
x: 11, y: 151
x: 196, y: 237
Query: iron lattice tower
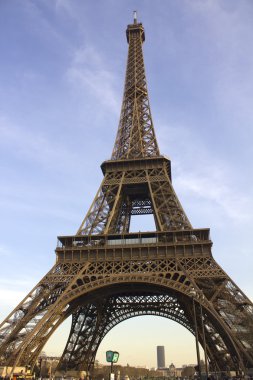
x: 104, y: 274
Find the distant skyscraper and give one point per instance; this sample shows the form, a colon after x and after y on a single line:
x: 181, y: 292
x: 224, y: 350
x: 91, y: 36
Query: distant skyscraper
x: 160, y: 357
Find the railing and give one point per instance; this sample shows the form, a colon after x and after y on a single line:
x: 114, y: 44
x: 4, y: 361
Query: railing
x: 145, y: 238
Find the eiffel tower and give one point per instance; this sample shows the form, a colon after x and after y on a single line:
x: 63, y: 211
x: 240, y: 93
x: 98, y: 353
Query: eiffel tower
x: 104, y: 274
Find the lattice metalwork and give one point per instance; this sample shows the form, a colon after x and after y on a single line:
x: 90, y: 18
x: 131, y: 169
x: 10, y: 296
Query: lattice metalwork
x: 104, y: 274
x: 108, y: 313
x: 115, y: 309
x: 125, y: 192
x: 26, y: 330
x: 136, y: 135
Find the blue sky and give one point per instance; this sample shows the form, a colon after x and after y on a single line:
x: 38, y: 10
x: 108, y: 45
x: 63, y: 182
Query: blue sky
x: 62, y: 72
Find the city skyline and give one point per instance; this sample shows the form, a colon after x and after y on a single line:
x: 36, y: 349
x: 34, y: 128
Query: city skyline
x: 62, y: 78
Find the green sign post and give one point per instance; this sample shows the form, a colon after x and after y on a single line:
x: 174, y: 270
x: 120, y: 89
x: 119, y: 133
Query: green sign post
x: 112, y: 357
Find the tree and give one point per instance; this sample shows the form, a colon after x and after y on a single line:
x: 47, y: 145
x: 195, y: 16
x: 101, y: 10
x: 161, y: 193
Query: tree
x: 188, y: 372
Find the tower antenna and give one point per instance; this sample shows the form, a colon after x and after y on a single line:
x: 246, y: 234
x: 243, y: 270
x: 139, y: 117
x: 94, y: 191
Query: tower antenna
x: 135, y: 17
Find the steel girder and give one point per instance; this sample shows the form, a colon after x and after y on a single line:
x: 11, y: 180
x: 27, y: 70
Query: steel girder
x: 125, y: 192
x: 24, y: 336
x: 122, y: 190
x: 136, y: 134
x: 161, y: 268
x: 106, y: 312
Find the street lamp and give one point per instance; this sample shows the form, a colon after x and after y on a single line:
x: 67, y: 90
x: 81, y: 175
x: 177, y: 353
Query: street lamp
x: 112, y: 357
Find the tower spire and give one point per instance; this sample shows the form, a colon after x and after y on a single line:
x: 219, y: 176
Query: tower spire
x: 135, y: 17
x: 137, y: 179
x: 136, y: 136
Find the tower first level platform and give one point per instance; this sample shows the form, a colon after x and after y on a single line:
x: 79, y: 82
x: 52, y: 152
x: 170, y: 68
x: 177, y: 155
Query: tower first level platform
x: 135, y: 246
x: 105, y: 274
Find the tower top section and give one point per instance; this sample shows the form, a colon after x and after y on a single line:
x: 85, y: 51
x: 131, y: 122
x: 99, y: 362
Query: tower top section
x: 135, y: 17
x: 136, y: 135
x: 135, y: 28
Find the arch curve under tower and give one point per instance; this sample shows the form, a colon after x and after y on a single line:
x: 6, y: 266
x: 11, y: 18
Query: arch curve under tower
x: 93, y: 306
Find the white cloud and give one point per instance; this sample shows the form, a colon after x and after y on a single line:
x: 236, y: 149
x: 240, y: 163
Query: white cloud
x: 25, y: 190
x: 229, y: 27
x: 88, y: 70
x: 20, y: 282
x: 216, y: 190
x: 63, y: 4
x: 11, y: 297
x: 48, y: 209
x: 196, y: 172
x: 36, y: 147
x: 12, y: 291
x: 4, y: 251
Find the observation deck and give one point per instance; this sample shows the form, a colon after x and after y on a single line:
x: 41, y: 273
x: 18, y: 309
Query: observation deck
x: 134, y: 246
